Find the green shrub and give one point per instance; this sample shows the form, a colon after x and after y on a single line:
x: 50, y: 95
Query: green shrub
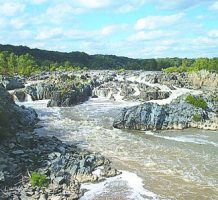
x: 197, y: 117
x: 38, y: 180
x: 121, y: 70
x: 64, y: 91
x: 215, y: 99
x: 175, y: 69
x: 198, y: 102
x: 170, y: 69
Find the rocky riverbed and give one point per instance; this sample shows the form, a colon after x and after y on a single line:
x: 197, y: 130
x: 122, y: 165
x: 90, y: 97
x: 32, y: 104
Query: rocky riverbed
x: 69, y: 89
x: 161, y: 105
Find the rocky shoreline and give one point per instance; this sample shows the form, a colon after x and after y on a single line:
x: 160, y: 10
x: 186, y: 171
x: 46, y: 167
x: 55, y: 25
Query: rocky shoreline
x: 65, y: 167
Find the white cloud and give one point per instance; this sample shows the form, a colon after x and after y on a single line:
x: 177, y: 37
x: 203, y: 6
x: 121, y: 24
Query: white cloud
x: 93, y: 4
x: 18, y: 23
x: 38, y: 1
x: 130, y: 6
x: 151, y: 35
x: 60, y: 12
x: 2, y: 22
x: 49, y: 33
x: 214, y: 6
x: 121, y: 6
x: 155, y: 22
x: 213, y: 33
x: 63, y: 9
x: 177, y: 4
x: 11, y: 8
x: 78, y: 34
x: 110, y: 29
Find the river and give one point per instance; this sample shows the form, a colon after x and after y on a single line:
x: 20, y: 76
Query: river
x: 166, y: 165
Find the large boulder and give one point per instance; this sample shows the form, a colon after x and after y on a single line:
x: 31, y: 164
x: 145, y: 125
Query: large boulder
x: 70, y: 96
x: 11, y: 83
x: 13, y: 117
x: 177, y: 115
x: 41, y: 91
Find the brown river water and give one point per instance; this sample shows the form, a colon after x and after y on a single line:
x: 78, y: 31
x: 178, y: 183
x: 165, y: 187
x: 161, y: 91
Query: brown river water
x: 164, y: 165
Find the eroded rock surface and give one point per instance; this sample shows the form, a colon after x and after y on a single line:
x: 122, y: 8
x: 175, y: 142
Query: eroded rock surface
x: 177, y: 115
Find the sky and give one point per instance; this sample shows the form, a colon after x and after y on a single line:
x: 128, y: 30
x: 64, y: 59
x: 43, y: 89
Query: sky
x: 132, y: 28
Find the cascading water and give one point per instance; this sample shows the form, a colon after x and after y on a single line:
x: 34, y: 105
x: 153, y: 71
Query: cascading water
x: 28, y: 98
x: 169, y: 165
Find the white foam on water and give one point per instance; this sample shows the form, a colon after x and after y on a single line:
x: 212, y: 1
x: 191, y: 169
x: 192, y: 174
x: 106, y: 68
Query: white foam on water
x: 120, y: 78
x: 137, y: 91
x: 196, y: 139
x: 28, y: 83
x: 28, y: 98
x: 39, y: 104
x: 132, y: 188
x: 175, y: 94
x: 132, y: 79
x: 149, y: 133
x: 118, y: 96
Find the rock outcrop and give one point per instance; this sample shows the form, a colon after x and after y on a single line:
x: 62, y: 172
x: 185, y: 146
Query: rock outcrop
x: 11, y: 83
x: 40, y: 91
x: 13, y: 117
x: 70, y: 96
x: 130, y: 91
x: 177, y: 115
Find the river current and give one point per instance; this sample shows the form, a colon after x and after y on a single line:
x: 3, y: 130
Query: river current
x: 165, y: 165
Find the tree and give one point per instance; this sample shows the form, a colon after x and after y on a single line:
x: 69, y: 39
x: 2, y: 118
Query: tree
x: 4, y: 62
x: 12, y: 63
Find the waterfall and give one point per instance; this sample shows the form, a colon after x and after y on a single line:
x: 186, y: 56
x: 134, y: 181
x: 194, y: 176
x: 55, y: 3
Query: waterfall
x: 28, y: 98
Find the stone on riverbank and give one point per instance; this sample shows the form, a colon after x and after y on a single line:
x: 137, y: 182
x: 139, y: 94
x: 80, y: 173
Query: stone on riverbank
x: 13, y: 117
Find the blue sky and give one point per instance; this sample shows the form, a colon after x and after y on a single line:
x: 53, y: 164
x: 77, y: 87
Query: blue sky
x: 133, y: 28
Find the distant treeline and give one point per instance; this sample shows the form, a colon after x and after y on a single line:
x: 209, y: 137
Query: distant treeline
x: 23, y: 60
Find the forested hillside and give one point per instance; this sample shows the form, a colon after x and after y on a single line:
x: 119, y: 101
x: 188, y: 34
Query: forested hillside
x: 24, y: 60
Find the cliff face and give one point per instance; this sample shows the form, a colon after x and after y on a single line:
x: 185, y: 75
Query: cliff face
x: 13, y: 117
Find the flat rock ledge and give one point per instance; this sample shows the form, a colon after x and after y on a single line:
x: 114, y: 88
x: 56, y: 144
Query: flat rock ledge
x: 65, y: 167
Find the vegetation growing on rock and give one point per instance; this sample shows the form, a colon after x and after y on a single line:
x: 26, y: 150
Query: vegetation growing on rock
x: 38, y: 180
x: 198, y: 102
x: 197, y: 117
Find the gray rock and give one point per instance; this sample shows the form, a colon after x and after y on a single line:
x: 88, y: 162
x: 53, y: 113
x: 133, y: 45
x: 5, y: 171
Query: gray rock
x: 13, y: 117
x: 2, y: 176
x: 18, y: 152
x: 11, y: 83
x: 41, y: 91
x: 151, y: 116
x: 59, y: 180
x: 70, y: 97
